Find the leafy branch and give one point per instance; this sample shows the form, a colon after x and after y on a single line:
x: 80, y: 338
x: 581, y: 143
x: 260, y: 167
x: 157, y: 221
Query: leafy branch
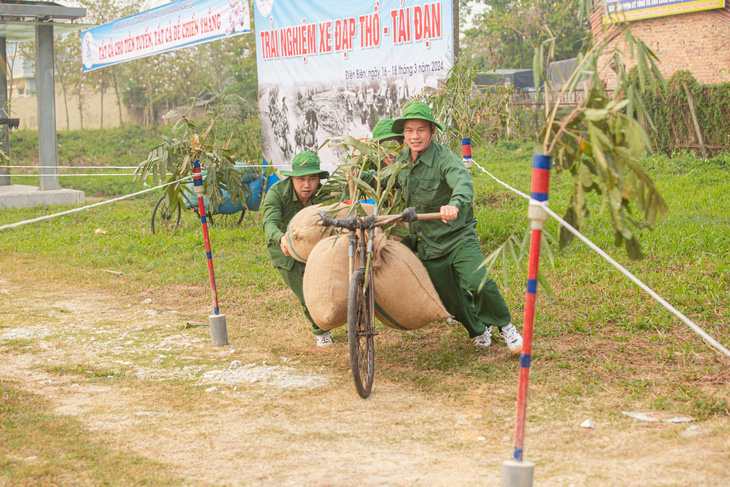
x: 207, y: 141
x: 601, y: 140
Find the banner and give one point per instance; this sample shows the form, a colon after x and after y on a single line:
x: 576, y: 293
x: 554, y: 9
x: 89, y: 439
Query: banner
x: 627, y: 10
x: 171, y: 26
x: 331, y: 67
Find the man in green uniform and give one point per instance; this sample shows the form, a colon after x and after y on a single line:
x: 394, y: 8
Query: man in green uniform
x: 436, y: 181
x: 283, y: 200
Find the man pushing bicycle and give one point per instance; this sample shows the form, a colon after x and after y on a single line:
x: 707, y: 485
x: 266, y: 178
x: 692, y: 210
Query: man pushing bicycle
x: 435, y: 180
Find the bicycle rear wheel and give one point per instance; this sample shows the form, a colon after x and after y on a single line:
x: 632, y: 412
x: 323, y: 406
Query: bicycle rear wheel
x: 228, y: 219
x: 164, y: 218
x: 360, y: 332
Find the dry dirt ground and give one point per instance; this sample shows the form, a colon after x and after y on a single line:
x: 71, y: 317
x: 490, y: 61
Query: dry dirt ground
x: 242, y: 415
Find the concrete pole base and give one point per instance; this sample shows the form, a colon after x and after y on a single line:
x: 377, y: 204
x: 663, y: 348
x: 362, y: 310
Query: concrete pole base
x: 517, y: 474
x: 218, y: 330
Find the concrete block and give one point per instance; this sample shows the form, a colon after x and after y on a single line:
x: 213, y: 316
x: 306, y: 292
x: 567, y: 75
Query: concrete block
x: 21, y: 196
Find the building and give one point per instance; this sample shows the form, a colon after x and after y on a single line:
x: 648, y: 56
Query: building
x: 684, y: 34
x: 21, y: 82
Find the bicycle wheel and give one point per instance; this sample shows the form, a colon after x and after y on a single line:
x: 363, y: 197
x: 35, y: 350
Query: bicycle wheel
x: 164, y: 218
x: 227, y: 218
x: 360, y: 332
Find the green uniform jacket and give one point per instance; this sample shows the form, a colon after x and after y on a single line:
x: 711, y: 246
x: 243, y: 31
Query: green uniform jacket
x: 280, y: 206
x: 438, y: 178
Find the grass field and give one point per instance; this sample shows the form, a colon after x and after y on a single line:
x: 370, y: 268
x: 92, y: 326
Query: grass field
x: 601, y: 346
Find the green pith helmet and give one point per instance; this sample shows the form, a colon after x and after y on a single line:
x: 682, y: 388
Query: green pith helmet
x: 384, y: 130
x: 415, y: 110
x: 304, y: 164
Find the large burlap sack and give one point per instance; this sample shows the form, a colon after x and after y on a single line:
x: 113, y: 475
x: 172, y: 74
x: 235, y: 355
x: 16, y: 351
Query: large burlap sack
x: 304, y: 231
x: 404, y: 295
x: 326, y: 280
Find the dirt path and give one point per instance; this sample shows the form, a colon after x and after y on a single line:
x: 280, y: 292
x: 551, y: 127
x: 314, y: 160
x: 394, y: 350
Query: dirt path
x: 239, y: 415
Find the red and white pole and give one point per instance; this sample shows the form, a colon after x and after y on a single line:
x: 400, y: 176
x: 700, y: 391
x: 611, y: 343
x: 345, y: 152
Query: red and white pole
x: 517, y: 472
x: 218, y: 330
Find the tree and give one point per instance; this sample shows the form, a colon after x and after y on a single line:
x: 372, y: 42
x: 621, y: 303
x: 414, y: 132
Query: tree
x: 68, y: 66
x: 510, y: 31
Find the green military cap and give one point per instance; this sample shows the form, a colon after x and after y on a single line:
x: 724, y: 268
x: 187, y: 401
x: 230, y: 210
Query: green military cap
x: 384, y: 130
x: 415, y: 110
x: 304, y: 164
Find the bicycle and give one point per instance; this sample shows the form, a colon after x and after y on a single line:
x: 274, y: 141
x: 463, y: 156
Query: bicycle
x: 361, y: 294
x: 166, y: 218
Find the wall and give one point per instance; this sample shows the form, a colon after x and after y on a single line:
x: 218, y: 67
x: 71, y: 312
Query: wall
x: 696, y: 41
x: 25, y: 108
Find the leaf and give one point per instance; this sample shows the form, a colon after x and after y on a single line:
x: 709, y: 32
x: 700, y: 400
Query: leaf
x: 633, y: 249
x: 595, y: 115
x: 564, y: 235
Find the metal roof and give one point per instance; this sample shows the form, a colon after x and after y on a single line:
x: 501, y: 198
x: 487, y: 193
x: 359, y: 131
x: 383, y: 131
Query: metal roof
x: 19, y: 18
x: 24, y: 10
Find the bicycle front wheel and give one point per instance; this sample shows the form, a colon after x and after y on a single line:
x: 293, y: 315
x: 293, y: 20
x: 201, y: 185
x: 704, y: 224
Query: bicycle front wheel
x: 165, y: 218
x: 360, y: 332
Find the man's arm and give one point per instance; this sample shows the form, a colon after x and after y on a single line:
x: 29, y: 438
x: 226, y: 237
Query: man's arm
x: 459, y: 180
x: 273, y: 214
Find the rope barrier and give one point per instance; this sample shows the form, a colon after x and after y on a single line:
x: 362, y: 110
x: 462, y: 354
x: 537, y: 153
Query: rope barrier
x: 69, y: 175
x: 46, y: 217
x: 618, y: 266
x: 72, y: 167
x: 97, y: 167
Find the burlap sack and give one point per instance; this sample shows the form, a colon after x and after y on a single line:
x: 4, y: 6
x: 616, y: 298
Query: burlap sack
x: 326, y: 279
x: 405, y: 298
x: 304, y: 231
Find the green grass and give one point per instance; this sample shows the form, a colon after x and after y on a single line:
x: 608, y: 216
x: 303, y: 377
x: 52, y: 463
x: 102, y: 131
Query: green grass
x: 127, y: 145
x: 600, y: 337
x: 44, y: 448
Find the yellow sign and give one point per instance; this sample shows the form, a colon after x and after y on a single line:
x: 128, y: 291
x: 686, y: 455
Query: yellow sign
x: 628, y: 10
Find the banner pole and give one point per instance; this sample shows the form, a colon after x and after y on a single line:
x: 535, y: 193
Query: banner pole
x: 517, y: 472
x: 218, y: 330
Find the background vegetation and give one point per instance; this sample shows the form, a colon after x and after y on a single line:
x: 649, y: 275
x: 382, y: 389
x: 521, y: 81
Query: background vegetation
x: 669, y: 109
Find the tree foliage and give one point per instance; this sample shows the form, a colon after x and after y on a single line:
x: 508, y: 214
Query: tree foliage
x: 510, y: 30
x: 600, y: 140
x: 207, y: 141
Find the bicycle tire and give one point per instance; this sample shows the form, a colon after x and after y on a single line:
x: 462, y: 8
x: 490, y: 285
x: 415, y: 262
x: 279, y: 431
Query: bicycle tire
x: 220, y: 218
x: 360, y: 332
x: 167, y: 219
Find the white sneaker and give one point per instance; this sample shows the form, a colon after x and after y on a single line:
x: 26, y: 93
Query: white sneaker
x: 484, y: 340
x: 512, y: 338
x: 324, y: 339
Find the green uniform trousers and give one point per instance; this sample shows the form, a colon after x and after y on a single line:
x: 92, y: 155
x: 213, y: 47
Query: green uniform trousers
x: 457, y: 278
x: 293, y: 279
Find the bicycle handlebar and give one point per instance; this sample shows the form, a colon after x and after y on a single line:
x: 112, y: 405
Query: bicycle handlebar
x: 353, y: 222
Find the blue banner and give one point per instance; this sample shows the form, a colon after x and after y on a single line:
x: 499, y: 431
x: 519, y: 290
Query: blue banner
x: 329, y: 67
x: 172, y: 26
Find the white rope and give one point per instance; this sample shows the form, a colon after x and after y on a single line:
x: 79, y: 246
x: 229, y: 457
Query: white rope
x: 68, y: 175
x: 46, y: 217
x: 72, y: 167
x: 106, y: 167
x: 618, y: 266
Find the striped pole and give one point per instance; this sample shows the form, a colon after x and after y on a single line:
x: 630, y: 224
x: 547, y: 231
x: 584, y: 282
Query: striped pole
x: 466, y: 153
x: 217, y: 320
x: 519, y: 473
